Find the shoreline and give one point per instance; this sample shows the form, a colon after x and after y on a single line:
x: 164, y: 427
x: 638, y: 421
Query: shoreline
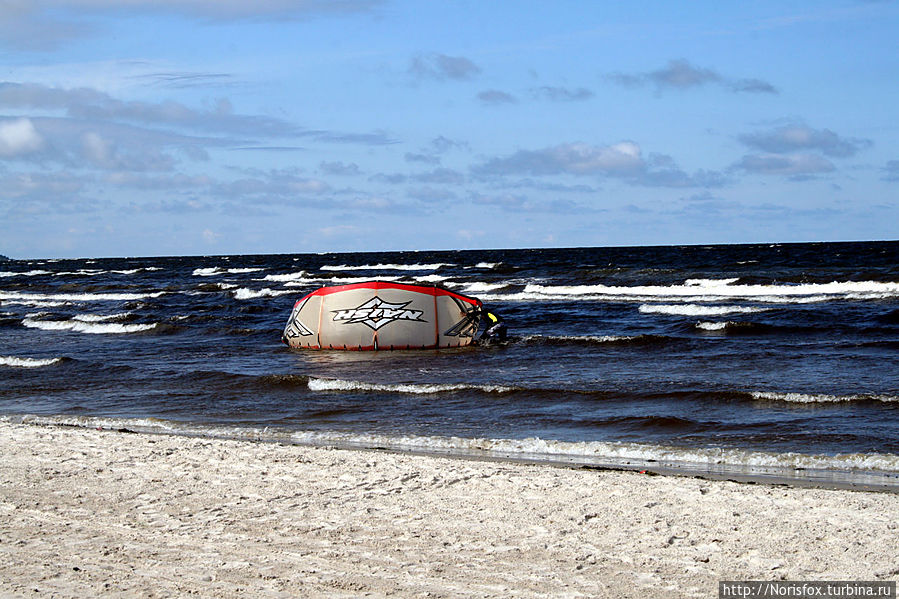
x: 807, y: 472
x: 90, y: 512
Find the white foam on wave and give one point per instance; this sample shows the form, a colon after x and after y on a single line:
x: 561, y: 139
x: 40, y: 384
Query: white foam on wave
x: 17, y: 362
x: 813, y: 398
x: 713, y: 326
x: 431, y: 278
x: 16, y: 296
x: 605, y: 452
x: 579, y: 338
x: 354, y: 280
x: 34, y: 303
x: 480, y: 287
x: 244, y: 294
x: 30, y: 273
x: 132, y: 271
x: 387, y: 266
x: 216, y: 270
x: 293, y: 276
x: 316, y: 384
x: 713, y: 291
x: 93, y: 328
x: 149, y: 425
x: 240, y: 271
x: 84, y: 272
x: 694, y: 310
x: 100, y: 317
x: 709, y: 282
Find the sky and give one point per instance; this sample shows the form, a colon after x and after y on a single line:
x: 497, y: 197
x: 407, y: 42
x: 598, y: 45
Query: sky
x: 196, y: 127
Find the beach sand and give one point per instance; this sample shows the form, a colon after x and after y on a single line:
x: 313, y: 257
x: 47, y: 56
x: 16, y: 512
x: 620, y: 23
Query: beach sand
x: 89, y: 513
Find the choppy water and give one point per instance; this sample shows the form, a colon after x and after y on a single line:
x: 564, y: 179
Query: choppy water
x: 733, y: 357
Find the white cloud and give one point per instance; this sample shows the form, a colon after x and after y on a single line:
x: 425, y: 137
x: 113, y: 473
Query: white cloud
x: 798, y: 137
x: 680, y: 74
x: 794, y: 166
x: 96, y: 149
x: 210, y: 236
x: 339, y: 230
x: 495, y: 97
x: 561, y: 94
x: 19, y: 137
x: 573, y: 158
x: 226, y: 9
x: 892, y: 171
x: 46, y: 24
x: 441, y: 67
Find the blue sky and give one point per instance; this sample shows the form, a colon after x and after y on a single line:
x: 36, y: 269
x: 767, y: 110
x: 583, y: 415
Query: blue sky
x: 166, y: 127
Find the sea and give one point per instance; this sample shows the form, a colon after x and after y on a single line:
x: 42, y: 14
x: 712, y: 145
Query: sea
x: 748, y: 362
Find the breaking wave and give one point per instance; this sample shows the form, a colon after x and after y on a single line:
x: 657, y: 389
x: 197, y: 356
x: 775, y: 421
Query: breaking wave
x: 293, y: 276
x: 100, y: 317
x: 16, y: 362
x: 132, y: 271
x: 480, y: 287
x: 15, y: 296
x: 810, y: 398
x: 317, y: 384
x: 216, y: 270
x: 714, y: 326
x: 94, y: 328
x: 431, y: 278
x: 244, y: 294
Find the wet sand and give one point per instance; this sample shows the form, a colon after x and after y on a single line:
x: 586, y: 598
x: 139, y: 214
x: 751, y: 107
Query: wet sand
x: 87, y: 513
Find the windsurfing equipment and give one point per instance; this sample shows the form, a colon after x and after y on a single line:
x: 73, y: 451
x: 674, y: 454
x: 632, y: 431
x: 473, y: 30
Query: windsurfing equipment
x: 381, y: 315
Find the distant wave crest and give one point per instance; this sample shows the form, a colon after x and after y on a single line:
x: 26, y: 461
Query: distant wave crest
x: 694, y: 310
x: 387, y: 266
x: 705, y: 290
x: 30, y: 273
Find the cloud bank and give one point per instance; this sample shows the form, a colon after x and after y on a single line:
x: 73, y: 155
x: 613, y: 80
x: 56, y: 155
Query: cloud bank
x: 681, y: 75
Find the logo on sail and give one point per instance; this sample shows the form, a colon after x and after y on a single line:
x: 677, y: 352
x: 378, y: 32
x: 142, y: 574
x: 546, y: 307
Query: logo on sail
x: 376, y: 313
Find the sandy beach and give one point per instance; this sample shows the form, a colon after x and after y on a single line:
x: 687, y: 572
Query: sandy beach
x: 86, y: 513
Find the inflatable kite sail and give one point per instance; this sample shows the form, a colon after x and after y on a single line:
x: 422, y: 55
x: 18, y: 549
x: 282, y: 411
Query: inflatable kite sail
x: 379, y: 315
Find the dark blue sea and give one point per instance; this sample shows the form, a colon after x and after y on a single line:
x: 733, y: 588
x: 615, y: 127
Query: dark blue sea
x: 779, y: 359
